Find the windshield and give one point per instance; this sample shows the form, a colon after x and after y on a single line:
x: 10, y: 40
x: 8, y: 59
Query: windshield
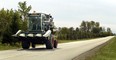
x: 34, y: 23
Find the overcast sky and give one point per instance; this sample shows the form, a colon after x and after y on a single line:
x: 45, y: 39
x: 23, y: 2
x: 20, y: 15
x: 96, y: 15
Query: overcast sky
x: 70, y: 13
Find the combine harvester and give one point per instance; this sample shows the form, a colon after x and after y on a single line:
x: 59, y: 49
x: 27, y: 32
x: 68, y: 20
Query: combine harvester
x: 40, y: 31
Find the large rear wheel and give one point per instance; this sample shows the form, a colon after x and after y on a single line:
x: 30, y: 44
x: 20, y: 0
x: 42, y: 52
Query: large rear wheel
x: 55, y: 43
x: 48, y: 44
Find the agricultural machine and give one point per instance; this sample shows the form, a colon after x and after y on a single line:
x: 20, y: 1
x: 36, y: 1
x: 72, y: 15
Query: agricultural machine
x: 40, y: 31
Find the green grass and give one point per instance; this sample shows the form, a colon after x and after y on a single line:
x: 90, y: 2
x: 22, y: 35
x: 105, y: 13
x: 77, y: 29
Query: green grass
x: 8, y: 47
x: 107, y: 52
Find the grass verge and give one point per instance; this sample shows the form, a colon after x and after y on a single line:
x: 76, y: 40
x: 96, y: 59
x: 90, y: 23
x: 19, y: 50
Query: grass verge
x: 107, y: 52
x: 8, y: 47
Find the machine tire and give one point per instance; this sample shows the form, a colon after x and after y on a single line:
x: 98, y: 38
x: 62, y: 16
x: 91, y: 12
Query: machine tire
x: 25, y: 44
x: 48, y: 44
x: 33, y: 45
x: 55, y: 43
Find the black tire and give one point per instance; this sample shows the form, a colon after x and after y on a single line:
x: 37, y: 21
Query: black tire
x: 55, y: 43
x: 33, y: 45
x: 25, y: 44
x: 48, y: 44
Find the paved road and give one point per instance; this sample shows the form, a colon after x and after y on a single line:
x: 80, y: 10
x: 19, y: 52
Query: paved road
x: 65, y: 51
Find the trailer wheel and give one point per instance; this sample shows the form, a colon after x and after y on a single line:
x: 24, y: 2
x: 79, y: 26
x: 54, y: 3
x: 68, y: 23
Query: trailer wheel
x: 55, y: 43
x: 25, y: 44
x: 48, y: 44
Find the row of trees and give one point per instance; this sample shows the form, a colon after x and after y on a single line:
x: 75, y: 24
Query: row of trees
x: 11, y: 21
x: 87, y: 29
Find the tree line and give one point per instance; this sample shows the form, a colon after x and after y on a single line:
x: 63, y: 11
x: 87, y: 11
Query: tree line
x: 11, y: 21
x: 87, y: 29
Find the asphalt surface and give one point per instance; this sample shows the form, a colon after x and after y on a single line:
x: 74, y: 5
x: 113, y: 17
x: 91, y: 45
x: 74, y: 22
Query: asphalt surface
x: 65, y: 51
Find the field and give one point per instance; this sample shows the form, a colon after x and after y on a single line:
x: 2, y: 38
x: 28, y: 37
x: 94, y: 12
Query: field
x: 107, y: 52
